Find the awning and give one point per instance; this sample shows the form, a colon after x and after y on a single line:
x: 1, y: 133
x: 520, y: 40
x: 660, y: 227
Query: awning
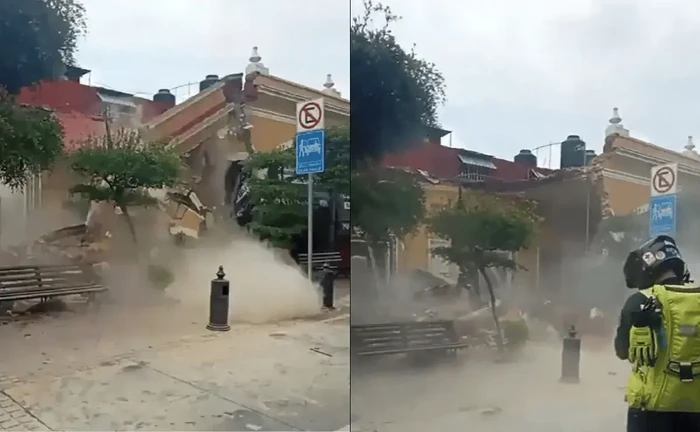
x: 470, y: 160
x: 117, y: 100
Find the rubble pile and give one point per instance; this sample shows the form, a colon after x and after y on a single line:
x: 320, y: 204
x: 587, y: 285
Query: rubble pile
x: 72, y: 244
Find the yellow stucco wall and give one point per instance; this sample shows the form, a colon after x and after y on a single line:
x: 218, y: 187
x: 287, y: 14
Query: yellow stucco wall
x: 267, y: 134
x: 415, y: 254
x: 626, y: 179
x: 416, y: 251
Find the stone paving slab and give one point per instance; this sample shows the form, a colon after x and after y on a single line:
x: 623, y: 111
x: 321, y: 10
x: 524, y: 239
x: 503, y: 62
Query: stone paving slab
x: 14, y: 417
x: 285, y: 380
x: 255, y: 380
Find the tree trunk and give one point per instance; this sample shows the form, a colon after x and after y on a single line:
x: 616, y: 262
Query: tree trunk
x: 129, y: 222
x: 374, y: 267
x: 492, y: 298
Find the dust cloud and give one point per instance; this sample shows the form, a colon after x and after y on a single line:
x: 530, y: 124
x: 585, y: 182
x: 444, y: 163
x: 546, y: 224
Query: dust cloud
x: 265, y: 287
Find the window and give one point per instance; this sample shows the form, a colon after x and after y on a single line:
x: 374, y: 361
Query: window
x: 474, y: 173
x: 476, y: 168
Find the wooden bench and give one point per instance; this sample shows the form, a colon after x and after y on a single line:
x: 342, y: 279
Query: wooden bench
x: 319, y: 259
x: 27, y: 282
x: 438, y: 337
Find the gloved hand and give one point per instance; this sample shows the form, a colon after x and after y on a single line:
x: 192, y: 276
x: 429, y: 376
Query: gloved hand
x: 643, y: 347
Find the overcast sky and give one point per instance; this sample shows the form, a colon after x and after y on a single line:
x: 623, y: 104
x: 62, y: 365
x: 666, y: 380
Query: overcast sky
x: 140, y: 46
x: 521, y: 74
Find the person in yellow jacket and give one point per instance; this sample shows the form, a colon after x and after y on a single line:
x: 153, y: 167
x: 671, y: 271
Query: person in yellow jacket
x: 659, y: 333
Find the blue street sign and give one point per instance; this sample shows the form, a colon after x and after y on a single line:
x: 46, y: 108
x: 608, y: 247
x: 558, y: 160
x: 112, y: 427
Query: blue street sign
x: 311, y: 152
x: 662, y: 215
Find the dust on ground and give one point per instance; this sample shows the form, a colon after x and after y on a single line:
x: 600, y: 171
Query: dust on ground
x: 265, y: 288
x: 473, y: 392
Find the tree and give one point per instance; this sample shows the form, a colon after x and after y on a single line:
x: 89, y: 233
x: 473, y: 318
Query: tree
x: 278, y: 197
x: 30, y: 141
x: 39, y: 38
x: 120, y: 168
x: 385, y: 203
x: 395, y: 93
x: 480, y: 227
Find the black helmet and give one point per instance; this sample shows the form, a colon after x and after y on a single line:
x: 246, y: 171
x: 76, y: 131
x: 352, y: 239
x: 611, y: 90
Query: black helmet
x: 647, y: 263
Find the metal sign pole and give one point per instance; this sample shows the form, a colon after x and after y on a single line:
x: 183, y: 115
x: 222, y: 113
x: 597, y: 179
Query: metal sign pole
x: 310, y: 159
x: 310, y: 230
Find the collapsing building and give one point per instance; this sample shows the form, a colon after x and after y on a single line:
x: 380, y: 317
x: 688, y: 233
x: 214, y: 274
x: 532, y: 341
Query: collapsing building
x: 235, y: 115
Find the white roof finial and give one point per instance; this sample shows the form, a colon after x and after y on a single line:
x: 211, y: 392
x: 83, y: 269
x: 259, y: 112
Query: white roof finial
x: 691, y: 145
x: 329, y: 90
x: 254, y: 56
x: 255, y: 65
x: 690, y: 149
x: 615, y: 119
x: 615, y: 127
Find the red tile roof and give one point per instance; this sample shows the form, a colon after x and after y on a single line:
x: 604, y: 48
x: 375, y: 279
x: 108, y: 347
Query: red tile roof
x: 77, y: 127
x: 62, y: 96
x: 78, y: 108
x: 443, y: 162
x: 71, y: 96
x: 438, y: 160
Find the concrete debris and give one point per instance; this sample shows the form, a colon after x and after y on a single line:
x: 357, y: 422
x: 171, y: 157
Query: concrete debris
x: 188, y: 216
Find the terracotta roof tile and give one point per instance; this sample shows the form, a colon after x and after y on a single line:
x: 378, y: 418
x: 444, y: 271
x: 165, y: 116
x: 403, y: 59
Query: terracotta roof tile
x: 77, y: 127
x: 62, y: 96
x: 443, y: 162
x: 438, y: 160
x: 71, y: 96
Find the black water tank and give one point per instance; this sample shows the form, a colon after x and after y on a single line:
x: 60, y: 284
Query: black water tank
x: 590, y: 155
x: 573, y: 152
x: 209, y: 81
x: 526, y: 158
x: 164, y: 96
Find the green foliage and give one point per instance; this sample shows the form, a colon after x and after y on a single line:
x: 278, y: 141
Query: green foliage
x: 395, y: 94
x: 481, y: 226
x: 121, y: 168
x: 278, y: 195
x: 38, y: 38
x: 30, y: 141
x: 384, y: 203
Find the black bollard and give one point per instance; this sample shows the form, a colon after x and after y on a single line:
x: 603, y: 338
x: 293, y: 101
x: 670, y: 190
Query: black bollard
x: 571, y: 357
x: 218, y: 303
x: 327, y: 282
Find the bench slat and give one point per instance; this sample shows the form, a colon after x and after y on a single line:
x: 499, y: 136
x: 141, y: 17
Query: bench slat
x: 50, y: 293
x: 397, y: 338
x: 40, y: 281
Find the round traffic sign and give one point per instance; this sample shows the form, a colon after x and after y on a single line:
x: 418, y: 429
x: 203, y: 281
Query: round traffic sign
x: 664, y: 180
x: 310, y: 115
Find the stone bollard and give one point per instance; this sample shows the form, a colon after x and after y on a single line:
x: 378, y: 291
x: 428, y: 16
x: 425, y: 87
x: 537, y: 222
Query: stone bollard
x: 571, y: 357
x: 218, y: 303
